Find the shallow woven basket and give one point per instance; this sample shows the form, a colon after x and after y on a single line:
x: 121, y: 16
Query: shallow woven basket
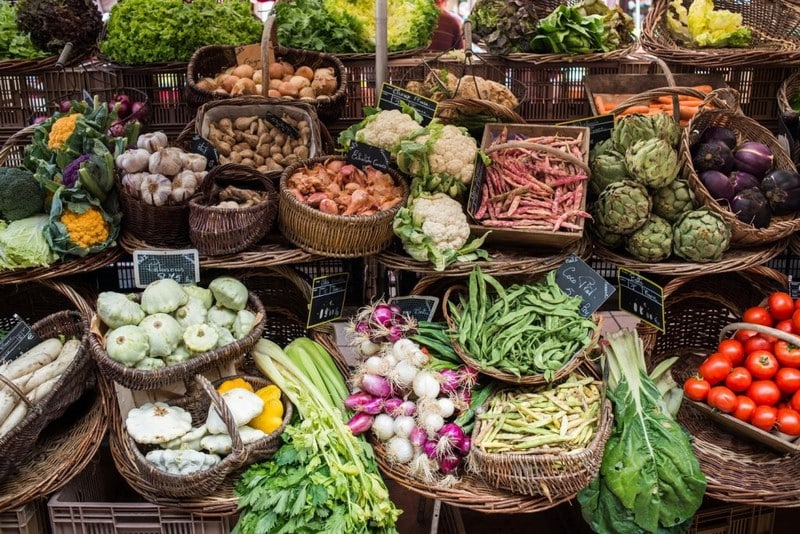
x: 217, y: 231
x: 145, y: 380
x: 745, y: 128
x: 571, y: 365
x: 71, y: 324
x: 697, y: 308
x: 338, y: 236
x: 149, y: 480
x: 211, y: 60
x: 540, y: 473
x: 786, y: 92
x: 775, y: 24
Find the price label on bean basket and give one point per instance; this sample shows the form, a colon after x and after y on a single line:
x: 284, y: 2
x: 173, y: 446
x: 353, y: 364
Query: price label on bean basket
x: 361, y: 155
x: 393, y: 97
x: 201, y: 145
x: 327, y: 298
x: 641, y: 297
x: 420, y: 307
x: 18, y: 340
x: 183, y: 266
x: 576, y: 278
x: 600, y: 127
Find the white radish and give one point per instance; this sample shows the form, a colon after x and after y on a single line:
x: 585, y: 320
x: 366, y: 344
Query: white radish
x: 21, y: 410
x: 57, y: 367
x: 28, y: 362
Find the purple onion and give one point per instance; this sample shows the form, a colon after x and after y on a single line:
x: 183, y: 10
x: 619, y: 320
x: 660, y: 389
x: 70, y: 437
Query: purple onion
x: 395, y: 333
x: 407, y: 408
x: 382, y: 315
x: 397, y: 310
x: 357, y: 400
x: 360, y: 423
x: 449, y: 463
x: 138, y: 110
x: 469, y: 376
x: 451, y: 380
x: 64, y: 106
x: 418, y: 438
x: 391, y: 405
x: 753, y: 157
x: 373, y: 407
x: 376, y: 385
x: 362, y: 327
x: 123, y: 104
x: 429, y: 448
x: 117, y: 129
x: 466, y: 445
x: 450, y: 439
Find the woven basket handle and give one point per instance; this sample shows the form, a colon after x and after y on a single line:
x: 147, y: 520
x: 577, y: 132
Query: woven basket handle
x: 237, y: 447
x: 543, y: 148
x: 245, y: 175
x: 723, y: 98
x: 451, y: 292
x: 761, y: 329
x: 13, y: 387
x: 268, y: 39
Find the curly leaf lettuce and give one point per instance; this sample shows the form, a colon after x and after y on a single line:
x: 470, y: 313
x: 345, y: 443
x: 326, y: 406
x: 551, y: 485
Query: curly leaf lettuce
x: 23, y: 244
x: 702, y: 26
x: 14, y: 43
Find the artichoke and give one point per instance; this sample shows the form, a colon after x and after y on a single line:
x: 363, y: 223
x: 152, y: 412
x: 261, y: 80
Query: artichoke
x: 632, y: 128
x: 603, y: 235
x: 601, y: 147
x: 504, y: 26
x: 700, y: 236
x: 652, y: 242
x: 607, y: 168
x: 652, y: 162
x: 623, y: 207
x: 667, y: 128
x: 673, y: 200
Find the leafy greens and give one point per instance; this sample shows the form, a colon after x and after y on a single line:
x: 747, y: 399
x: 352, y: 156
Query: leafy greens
x: 702, y: 26
x: 14, y: 43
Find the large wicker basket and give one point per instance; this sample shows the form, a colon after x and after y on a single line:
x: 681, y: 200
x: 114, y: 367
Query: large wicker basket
x: 338, y: 236
x: 697, y: 308
x: 216, y: 231
x: 775, y: 24
x: 157, y: 225
x: 745, y: 128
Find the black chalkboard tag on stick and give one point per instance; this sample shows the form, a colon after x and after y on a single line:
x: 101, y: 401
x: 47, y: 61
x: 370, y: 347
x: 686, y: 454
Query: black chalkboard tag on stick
x: 420, y: 307
x: 362, y: 155
x: 393, y: 97
x: 201, y: 145
x: 183, y: 266
x: 576, y: 278
x: 600, y: 127
x: 641, y: 297
x: 18, y: 340
x: 327, y: 298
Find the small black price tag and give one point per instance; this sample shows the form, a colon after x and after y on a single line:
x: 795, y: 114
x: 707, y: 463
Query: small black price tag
x: 420, y: 307
x: 576, y: 278
x: 327, y: 298
x: 18, y: 340
x: 794, y: 288
x: 392, y: 97
x: 183, y: 266
x: 201, y: 145
x: 641, y: 297
x: 282, y: 125
x: 361, y: 155
x: 600, y: 127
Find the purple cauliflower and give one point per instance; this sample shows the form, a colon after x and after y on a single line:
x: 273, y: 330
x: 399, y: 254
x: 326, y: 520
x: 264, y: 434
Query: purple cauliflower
x: 70, y: 176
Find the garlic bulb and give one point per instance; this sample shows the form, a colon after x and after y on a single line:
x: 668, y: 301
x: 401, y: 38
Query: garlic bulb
x: 155, y: 189
x: 184, y: 186
x: 152, y: 142
x: 133, y: 160
x: 166, y: 161
x: 132, y: 182
x: 193, y: 162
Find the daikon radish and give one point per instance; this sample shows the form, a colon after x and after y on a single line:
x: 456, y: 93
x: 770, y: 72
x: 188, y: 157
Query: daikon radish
x: 21, y: 410
x: 28, y: 362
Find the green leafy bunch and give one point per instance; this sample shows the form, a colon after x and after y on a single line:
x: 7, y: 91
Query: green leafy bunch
x: 14, y: 43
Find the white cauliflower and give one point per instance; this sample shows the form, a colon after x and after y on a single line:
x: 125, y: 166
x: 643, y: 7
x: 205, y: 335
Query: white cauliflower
x: 386, y: 129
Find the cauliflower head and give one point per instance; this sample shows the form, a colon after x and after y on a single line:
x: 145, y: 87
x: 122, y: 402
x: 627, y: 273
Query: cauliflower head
x: 384, y: 129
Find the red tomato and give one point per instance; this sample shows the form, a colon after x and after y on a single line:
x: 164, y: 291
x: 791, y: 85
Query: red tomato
x: 762, y: 364
x: 764, y: 417
x: 757, y: 342
x: 781, y: 305
x: 732, y: 349
x: 757, y: 315
x: 764, y: 392
x: 788, y: 421
x: 696, y: 388
x: 744, y: 334
x: 722, y: 399
x: 796, y: 319
x: 788, y: 355
x: 739, y: 379
x: 715, y: 368
x: 785, y: 325
x: 788, y: 380
x: 744, y: 408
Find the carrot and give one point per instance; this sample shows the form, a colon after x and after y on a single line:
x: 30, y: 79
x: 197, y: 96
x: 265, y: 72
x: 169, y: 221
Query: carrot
x: 687, y: 112
x: 600, y: 104
x: 703, y: 88
x: 681, y: 98
x: 643, y: 109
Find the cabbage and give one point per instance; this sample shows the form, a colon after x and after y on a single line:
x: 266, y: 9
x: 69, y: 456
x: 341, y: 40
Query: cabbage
x: 23, y: 244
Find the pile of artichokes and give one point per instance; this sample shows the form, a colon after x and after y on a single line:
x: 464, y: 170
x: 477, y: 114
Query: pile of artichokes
x: 642, y: 205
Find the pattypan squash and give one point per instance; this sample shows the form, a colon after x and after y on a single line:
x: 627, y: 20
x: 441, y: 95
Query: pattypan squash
x: 244, y: 322
x: 150, y: 364
x: 271, y: 417
x: 190, y: 440
x: 193, y: 312
x: 225, y: 336
x: 163, y: 296
x: 219, y: 316
x: 182, y: 462
x: 244, y: 406
x: 229, y: 292
x: 127, y: 344
x: 233, y: 383
x: 200, y: 338
x: 155, y: 423
x: 116, y: 309
x: 163, y: 332
x: 180, y: 355
x: 204, y: 295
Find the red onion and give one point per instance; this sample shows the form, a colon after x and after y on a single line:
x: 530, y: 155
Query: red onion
x: 360, y: 423
x: 376, y: 385
x: 418, y: 438
x: 449, y: 463
x: 138, y: 110
x: 64, y: 106
x: 123, y: 104
x: 395, y: 333
x: 450, y: 380
x: 397, y: 310
x: 391, y: 405
x: 362, y: 326
x: 382, y: 315
x: 450, y: 439
x: 469, y: 376
x: 466, y: 445
x: 356, y: 401
x: 429, y: 448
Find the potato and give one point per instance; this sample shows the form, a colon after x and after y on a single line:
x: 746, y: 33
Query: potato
x: 257, y: 76
x: 274, y: 93
x: 288, y: 68
x: 275, y: 71
x: 244, y: 86
x: 243, y: 71
x: 228, y: 82
x: 306, y: 72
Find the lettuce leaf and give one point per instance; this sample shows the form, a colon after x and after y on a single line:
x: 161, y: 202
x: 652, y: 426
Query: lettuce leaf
x: 23, y: 244
x: 702, y: 26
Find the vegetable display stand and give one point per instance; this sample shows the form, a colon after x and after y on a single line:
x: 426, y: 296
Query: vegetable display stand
x: 697, y: 308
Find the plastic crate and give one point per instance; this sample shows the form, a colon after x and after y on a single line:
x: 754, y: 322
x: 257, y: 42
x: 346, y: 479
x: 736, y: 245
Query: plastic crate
x: 28, y: 519
x: 98, y: 501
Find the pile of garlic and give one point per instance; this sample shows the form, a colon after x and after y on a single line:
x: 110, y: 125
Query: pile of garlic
x: 158, y: 174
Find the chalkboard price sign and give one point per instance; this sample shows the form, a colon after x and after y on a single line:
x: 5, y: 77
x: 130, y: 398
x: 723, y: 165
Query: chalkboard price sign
x: 600, y: 127
x: 393, y: 97
x: 794, y: 288
x: 576, y: 278
x: 361, y: 155
x: 641, y: 297
x: 201, y: 145
x: 18, y: 340
x: 420, y: 307
x: 183, y: 266
x: 327, y: 298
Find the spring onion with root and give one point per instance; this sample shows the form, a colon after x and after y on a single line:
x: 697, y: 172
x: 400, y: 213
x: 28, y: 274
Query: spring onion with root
x: 379, y: 323
x: 324, y: 478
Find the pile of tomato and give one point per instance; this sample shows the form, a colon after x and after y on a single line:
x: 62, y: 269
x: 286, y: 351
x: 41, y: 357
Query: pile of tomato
x: 755, y: 377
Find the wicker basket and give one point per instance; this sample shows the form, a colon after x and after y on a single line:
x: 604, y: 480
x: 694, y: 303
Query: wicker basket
x: 786, y: 92
x: 70, y: 386
x: 166, y: 225
x: 149, y: 480
x: 775, y: 24
x: 216, y: 231
x: 697, y: 308
x: 338, y: 236
x: 147, y: 380
x: 742, y: 234
x: 571, y: 365
x: 209, y: 61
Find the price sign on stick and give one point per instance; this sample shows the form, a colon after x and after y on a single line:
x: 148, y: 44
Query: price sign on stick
x: 600, y: 127
x: 393, y: 97
x: 327, y: 298
x: 361, y: 155
x: 576, y: 278
x: 18, y: 340
x: 641, y: 297
x: 420, y: 307
x: 183, y: 266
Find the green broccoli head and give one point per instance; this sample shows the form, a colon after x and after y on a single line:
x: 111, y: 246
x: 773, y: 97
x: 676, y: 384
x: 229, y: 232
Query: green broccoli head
x: 20, y: 194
